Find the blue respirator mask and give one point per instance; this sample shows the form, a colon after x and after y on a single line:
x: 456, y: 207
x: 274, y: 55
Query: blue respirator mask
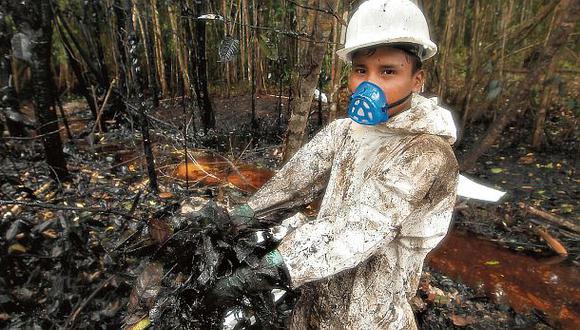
x: 369, y: 106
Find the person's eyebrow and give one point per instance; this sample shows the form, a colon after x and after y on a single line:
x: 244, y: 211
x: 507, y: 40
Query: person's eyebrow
x: 389, y: 66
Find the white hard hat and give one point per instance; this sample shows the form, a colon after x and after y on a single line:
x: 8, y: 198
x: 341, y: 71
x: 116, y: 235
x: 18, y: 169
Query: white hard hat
x: 380, y: 22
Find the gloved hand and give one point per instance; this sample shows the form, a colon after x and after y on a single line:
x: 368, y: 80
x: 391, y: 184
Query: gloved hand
x: 269, y: 273
x: 242, y: 217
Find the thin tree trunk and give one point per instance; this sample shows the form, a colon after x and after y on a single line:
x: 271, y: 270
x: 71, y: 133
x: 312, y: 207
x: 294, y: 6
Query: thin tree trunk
x: 446, y: 50
x: 472, y: 64
x: 254, y: 121
x: 9, y: 105
x: 257, y: 57
x: 538, y: 135
x: 139, y: 26
x: 82, y: 52
x: 226, y: 14
x: 309, y: 70
x: 247, y: 33
x: 207, y: 115
x: 336, y: 70
x: 565, y: 14
x: 243, y: 45
x: 153, y: 73
x: 97, y: 31
x: 282, y: 61
x: 76, y: 67
x: 254, y: 57
x: 40, y: 35
x: 158, y: 46
x: 138, y: 87
x: 504, y: 22
x: 121, y: 15
x: 176, y: 33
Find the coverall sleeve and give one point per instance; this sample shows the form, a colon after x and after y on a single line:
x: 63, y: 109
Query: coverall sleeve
x: 372, y: 219
x: 303, y: 177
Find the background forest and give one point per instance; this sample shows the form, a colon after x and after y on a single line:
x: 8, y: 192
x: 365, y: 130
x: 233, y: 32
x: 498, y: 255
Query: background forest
x: 115, y: 110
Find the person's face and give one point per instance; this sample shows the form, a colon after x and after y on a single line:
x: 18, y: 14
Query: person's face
x: 389, y: 68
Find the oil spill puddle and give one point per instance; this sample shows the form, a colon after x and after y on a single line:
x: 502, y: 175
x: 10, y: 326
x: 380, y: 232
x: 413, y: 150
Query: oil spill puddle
x: 214, y: 170
x: 522, y: 281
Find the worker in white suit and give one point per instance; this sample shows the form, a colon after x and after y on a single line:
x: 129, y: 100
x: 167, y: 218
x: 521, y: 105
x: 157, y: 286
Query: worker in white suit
x: 388, y: 176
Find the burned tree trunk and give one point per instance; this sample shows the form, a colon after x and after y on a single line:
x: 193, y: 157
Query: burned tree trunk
x: 8, y: 99
x: 207, y: 115
x: 34, y: 21
x: 157, y: 37
x: 153, y: 73
x: 311, y: 62
x: 121, y: 14
x: 137, y: 90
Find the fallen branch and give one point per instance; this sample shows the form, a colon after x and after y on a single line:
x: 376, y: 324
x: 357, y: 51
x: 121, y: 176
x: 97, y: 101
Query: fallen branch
x: 98, y: 119
x: 72, y: 318
x: 551, y: 218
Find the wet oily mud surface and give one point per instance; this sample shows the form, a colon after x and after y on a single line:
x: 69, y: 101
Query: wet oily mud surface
x: 523, y: 282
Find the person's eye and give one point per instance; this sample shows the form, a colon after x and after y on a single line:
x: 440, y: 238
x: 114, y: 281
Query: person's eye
x: 360, y: 71
x: 389, y: 71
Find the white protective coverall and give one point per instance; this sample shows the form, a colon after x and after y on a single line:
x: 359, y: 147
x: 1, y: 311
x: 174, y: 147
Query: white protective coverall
x: 390, y: 192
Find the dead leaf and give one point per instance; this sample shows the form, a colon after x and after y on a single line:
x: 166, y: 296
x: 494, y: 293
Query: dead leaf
x: 146, y: 287
x: 462, y: 321
x: 16, y: 248
x: 166, y: 195
x: 553, y: 242
x: 527, y: 159
x: 159, y: 230
x: 50, y: 233
x: 4, y: 317
x: 12, y: 230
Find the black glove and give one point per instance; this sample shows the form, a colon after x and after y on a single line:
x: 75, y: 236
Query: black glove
x: 269, y: 273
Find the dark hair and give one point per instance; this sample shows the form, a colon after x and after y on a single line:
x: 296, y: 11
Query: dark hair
x: 412, y: 52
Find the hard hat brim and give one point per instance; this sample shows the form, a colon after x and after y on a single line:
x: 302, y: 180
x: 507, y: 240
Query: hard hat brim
x: 430, y: 48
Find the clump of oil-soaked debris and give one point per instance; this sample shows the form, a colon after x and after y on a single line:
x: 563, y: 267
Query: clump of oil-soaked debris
x: 192, y: 252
